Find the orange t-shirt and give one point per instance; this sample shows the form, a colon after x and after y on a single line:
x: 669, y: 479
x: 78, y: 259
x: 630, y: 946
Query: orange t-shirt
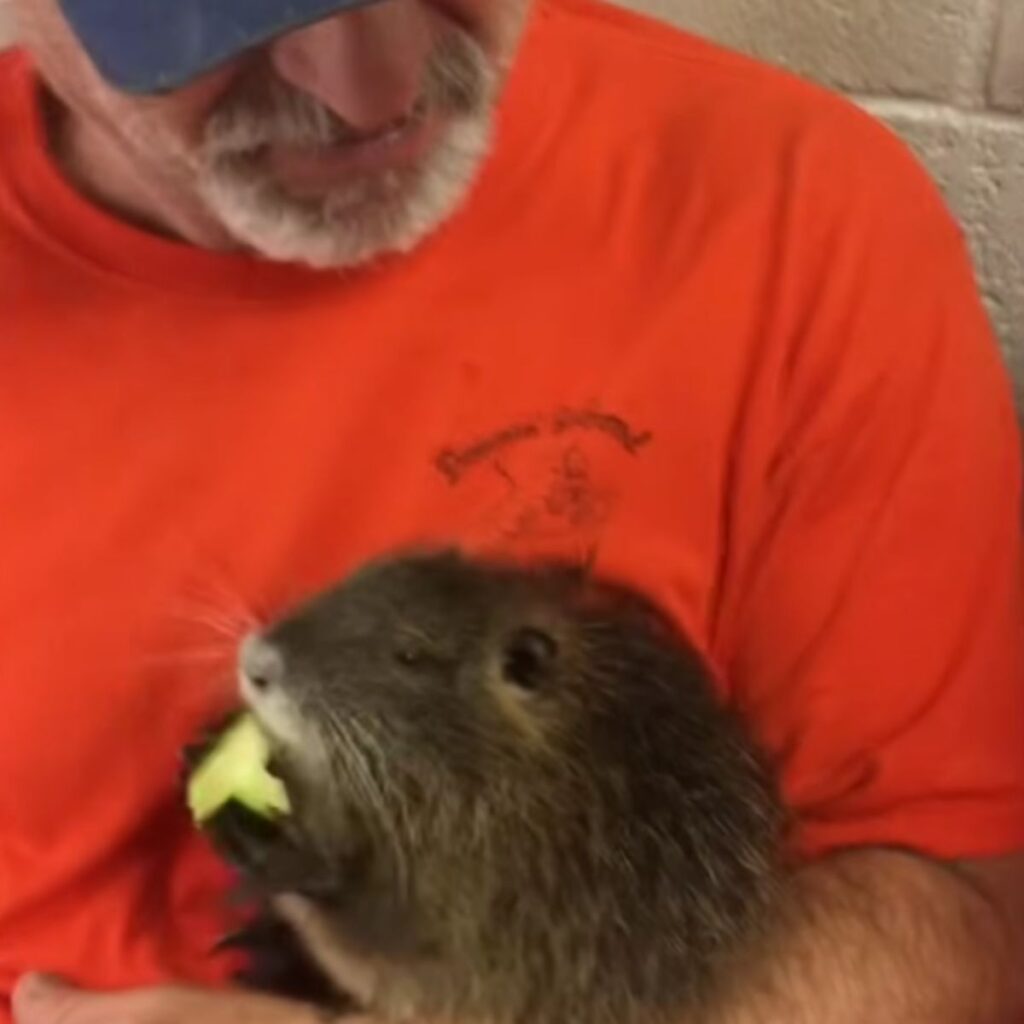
x: 699, y: 320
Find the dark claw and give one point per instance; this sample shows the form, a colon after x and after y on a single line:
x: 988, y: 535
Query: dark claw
x: 277, y: 964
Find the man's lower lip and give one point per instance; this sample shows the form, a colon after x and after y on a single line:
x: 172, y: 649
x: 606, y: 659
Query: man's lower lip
x: 318, y: 169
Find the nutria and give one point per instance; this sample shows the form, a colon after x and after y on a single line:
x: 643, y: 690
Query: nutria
x: 517, y: 799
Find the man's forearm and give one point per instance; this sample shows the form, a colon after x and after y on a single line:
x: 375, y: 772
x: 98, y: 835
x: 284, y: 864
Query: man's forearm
x: 884, y: 938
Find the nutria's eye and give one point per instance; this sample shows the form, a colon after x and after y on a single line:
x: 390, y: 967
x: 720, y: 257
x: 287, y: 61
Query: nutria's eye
x: 527, y: 657
x: 409, y: 655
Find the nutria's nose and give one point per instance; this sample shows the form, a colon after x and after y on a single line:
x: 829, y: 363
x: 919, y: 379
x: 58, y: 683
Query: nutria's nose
x: 261, y: 663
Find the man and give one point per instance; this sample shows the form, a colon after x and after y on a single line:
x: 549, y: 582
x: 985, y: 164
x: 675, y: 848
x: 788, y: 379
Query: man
x: 286, y: 285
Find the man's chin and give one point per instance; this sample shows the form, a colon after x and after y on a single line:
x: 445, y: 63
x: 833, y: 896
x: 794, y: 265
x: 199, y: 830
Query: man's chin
x: 329, y: 216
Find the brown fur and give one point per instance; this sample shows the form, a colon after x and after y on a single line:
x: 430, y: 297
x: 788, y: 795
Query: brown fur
x: 516, y: 798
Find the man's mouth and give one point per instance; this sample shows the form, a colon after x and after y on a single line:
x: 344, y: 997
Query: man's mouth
x: 318, y: 168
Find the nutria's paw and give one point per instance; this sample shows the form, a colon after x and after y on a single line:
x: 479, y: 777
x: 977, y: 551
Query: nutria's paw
x: 265, y: 853
x: 276, y: 963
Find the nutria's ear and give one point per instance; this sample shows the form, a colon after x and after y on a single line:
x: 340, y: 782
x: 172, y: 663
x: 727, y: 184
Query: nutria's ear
x: 578, y: 570
x: 588, y: 563
x: 450, y: 559
x: 445, y: 553
x: 450, y: 555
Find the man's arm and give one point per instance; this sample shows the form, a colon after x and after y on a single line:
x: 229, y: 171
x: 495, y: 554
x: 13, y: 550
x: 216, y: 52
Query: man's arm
x: 874, y: 938
x: 878, y: 937
x: 872, y: 617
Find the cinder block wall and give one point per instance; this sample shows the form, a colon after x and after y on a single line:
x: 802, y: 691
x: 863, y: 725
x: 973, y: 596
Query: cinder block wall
x: 947, y: 74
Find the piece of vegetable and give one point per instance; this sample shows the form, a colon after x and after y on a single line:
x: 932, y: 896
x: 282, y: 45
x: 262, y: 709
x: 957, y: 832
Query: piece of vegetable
x: 236, y: 769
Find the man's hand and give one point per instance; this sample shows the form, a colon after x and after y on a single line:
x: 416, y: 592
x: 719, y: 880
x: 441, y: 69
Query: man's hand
x: 41, y: 1000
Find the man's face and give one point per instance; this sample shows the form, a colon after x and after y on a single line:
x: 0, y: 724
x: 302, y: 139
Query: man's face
x: 333, y: 144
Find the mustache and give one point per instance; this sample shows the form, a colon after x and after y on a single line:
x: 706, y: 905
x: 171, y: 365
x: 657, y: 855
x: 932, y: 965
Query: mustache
x: 459, y: 80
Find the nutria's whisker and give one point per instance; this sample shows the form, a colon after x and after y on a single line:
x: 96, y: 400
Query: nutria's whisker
x: 190, y: 655
x: 349, y: 766
x: 357, y: 767
x: 390, y: 802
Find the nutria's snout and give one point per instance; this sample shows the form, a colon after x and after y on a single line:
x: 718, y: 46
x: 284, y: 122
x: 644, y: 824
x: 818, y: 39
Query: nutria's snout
x: 261, y: 664
x: 264, y: 686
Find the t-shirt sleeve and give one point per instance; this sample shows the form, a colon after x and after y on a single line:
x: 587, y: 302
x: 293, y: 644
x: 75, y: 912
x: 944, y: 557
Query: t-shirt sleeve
x: 875, y: 616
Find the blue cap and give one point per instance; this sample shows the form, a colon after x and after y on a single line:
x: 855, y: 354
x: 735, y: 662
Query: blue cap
x: 151, y: 46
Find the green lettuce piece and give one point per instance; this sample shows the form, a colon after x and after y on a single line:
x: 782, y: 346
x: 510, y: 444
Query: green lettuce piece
x: 236, y: 769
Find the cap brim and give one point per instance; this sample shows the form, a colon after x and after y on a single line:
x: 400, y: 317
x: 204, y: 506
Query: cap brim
x: 152, y: 46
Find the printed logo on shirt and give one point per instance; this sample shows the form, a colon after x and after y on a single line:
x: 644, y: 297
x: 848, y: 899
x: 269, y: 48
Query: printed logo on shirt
x: 549, y: 479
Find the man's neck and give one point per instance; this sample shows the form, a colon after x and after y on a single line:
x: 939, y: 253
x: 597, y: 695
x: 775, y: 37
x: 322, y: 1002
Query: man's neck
x: 154, y: 199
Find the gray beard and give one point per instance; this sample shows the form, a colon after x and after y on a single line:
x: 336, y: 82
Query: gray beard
x: 365, y: 217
